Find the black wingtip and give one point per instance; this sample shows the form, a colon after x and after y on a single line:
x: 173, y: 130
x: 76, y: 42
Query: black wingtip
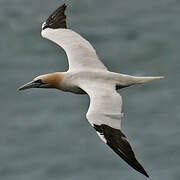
x: 57, y: 19
x: 64, y: 6
x: 146, y: 175
x: 119, y: 144
x: 132, y: 161
x: 142, y: 171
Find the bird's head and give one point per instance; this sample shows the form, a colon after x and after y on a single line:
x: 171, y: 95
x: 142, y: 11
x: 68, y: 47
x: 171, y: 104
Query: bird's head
x: 51, y: 80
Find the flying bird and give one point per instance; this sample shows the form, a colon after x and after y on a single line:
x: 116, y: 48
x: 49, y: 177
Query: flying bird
x: 88, y: 75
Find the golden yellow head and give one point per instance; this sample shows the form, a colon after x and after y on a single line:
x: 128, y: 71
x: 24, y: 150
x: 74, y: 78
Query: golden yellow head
x: 51, y: 80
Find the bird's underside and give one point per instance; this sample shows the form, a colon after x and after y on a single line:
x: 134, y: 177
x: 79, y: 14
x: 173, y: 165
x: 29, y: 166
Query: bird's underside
x: 88, y: 75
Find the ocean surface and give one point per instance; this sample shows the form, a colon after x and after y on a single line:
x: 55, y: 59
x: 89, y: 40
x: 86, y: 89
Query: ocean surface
x: 44, y: 134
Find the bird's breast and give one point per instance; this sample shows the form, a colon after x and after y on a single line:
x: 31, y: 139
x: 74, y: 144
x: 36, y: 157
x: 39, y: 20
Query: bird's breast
x: 72, y: 80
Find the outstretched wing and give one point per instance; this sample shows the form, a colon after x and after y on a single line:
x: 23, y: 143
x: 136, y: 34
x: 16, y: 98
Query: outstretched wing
x: 104, y: 115
x: 81, y: 55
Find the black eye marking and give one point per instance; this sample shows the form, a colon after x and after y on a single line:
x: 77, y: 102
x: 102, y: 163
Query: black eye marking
x: 39, y: 81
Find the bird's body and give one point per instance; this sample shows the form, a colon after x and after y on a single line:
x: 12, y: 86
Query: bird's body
x: 88, y: 75
x: 73, y: 81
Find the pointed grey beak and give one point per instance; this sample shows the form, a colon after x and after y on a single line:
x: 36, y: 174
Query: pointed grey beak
x: 32, y: 84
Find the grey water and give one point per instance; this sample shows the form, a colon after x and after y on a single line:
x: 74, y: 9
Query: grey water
x: 44, y: 134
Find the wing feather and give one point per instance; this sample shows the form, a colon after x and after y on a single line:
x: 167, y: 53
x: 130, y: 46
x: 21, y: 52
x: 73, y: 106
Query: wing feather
x: 81, y: 55
x: 57, y: 19
x: 119, y: 144
x: 104, y: 115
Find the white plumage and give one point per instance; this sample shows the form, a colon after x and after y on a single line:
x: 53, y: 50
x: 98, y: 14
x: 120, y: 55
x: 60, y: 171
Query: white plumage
x: 88, y: 75
x: 81, y: 55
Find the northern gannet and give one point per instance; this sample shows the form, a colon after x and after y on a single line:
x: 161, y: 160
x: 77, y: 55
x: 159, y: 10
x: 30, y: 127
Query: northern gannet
x: 88, y: 75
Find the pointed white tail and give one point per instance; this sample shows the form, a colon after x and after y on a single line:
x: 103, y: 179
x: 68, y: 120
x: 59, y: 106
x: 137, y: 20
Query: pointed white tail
x: 124, y: 80
x: 139, y: 80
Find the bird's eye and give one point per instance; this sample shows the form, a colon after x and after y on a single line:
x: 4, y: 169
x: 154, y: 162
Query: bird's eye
x: 39, y: 81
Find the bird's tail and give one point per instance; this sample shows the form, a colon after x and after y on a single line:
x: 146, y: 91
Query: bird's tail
x: 124, y: 80
x: 139, y: 80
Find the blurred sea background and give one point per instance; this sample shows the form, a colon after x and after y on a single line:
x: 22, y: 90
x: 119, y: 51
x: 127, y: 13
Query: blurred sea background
x: 44, y: 134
